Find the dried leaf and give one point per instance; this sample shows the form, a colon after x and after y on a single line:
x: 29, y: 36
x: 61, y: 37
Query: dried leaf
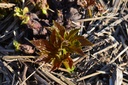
x: 26, y: 49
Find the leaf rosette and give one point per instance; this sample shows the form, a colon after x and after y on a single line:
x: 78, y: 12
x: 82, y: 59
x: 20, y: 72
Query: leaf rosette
x: 60, y: 46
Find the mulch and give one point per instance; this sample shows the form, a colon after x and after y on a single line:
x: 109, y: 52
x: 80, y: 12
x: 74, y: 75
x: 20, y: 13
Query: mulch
x: 104, y: 63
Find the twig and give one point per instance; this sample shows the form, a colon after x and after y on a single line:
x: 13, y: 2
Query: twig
x: 40, y: 79
x: 46, y: 72
x: 24, y: 73
x: 117, y: 3
x: 40, y: 73
x: 64, y: 79
x: 79, y: 60
x: 105, y: 49
x: 6, y: 20
x: 13, y: 80
x: 119, y: 55
x: 30, y: 75
x: 124, y: 6
x: 117, y: 76
x: 112, y: 25
x: 18, y: 57
x: 103, y: 4
x: 124, y: 45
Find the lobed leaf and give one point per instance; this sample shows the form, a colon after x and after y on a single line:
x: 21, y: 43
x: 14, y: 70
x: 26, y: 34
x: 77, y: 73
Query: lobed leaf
x: 25, y: 20
x: 84, y: 41
x: 60, y: 28
x: 71, y: 35
x: 25, y: 10
x: 53, y: 38
x: 39, y: 44
x: 76, y: 50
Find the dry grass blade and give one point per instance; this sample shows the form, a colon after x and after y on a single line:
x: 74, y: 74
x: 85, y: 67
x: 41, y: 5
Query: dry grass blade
x: 124, y: 45
x: 117, y: 77
x: 8, y: 58
x: 79, y: 60
x: 117, y: 3
x: 39, y: 78
x: 32, y: 73
x: 91, y: 75
x: 105, y: 49
x: 113, y: 24
x: 13, y: 80
x: 24, y: 73
x: 64, y: 79
x: 103, y: 4
x: 48, y: 74
x: 119, y: 55
x: 96, y: 18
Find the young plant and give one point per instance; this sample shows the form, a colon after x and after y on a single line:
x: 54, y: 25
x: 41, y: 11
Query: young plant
x: 60, y: 46
x: 22, y: 14
x: 31, y: 20
x: 43, y: 5
x: 89, y: 4
x: 23, y: 47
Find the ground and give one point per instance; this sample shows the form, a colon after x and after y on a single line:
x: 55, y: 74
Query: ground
x: 103, y: 23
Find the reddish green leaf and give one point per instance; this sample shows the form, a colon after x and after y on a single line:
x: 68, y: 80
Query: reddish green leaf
x: 76, y: 50
x: 60, y: 28
x: 71, y: 34
x: 53, y: 37
x: 55, y: 40
x: 68, y: 63
x: 40, y: 45
x: 56, y: 63
x: 49, y: 46
x: 83, y: 41
x: 76, y: 43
